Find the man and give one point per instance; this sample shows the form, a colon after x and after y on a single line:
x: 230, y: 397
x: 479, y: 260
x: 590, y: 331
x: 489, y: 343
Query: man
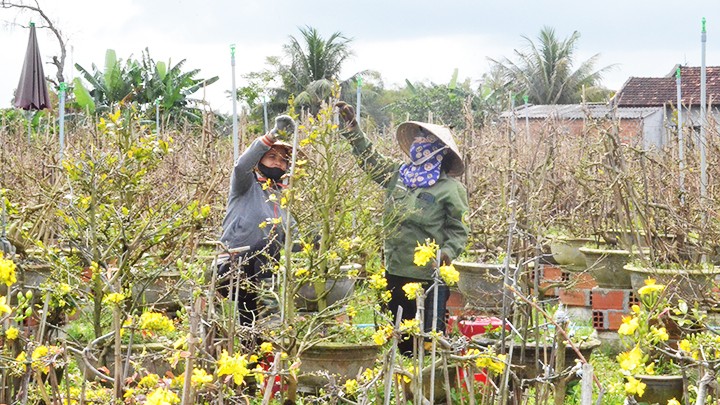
x: 254, y: 219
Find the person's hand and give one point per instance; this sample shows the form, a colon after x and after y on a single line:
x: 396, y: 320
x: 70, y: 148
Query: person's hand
x: 284, y: 128
x: 347, y: 113
x: 444, y: 259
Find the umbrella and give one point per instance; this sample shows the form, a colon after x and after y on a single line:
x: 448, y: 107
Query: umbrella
x: 32, y: 92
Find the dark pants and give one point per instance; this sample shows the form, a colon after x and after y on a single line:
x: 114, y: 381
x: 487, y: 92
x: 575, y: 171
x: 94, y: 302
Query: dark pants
x: 399, y: 299
x: 250, y: 267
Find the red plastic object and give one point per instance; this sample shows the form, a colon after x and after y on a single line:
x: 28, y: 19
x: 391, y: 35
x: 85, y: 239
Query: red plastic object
x: 475, y: 326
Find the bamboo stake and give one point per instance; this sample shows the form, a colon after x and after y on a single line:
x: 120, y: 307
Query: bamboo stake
x: 391, y: 361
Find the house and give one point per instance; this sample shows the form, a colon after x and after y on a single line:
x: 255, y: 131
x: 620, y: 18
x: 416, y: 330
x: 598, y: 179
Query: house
x: 635, y: 123
x: 645, y: 92
x: 644, y: 108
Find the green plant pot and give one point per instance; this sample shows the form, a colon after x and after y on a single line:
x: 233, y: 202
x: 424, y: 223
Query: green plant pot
x: 690, y: 285
x: 482, y: 285
x: 607, y: 266
x: 566, y: 252
x: 343, y: 361
x: 661, y: 388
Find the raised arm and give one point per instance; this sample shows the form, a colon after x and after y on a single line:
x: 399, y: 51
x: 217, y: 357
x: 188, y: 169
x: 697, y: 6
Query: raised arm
x: 380, y: 168
x: 242, y: 175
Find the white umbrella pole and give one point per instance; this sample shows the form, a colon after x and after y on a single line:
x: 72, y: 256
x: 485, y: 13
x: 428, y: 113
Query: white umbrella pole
x: 63, y: 86
x: 236, y: 144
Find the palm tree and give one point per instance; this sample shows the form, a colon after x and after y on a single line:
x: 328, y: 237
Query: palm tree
x: 544, y: 71
x: 315, y: 63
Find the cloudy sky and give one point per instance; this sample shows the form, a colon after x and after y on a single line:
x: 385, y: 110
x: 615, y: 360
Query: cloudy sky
x: 418, y: 40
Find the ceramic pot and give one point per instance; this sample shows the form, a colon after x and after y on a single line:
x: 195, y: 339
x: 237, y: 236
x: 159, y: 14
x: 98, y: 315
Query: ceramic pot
x: 566, y: 252
x: 482, y: 285
x: 661, y: 388
x: 341, y: 360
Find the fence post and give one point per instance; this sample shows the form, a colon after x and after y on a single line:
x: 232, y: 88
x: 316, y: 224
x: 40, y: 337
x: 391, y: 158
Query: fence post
x: 586, y: 388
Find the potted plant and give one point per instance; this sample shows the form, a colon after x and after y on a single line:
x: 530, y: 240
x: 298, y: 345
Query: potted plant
x: 606, y: 262
x: 338, y: 231
x: 651, y: 374
x: 482, y: 282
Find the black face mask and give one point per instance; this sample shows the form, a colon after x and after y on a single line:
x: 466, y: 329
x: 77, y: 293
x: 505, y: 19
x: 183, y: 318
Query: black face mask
x: 272, y: 173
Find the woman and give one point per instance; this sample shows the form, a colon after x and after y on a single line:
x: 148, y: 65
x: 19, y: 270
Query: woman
x: 423, y: 202
x: 254, y: 220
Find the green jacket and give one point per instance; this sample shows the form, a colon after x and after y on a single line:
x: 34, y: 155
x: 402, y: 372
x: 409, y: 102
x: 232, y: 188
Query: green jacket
x: 411, y: 216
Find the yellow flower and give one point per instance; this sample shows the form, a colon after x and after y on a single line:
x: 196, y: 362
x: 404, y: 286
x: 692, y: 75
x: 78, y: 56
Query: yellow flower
x: 377, y: 282
x: 7, y: 271
x: 161, y: 396
x: 449, y: 274
x: 411, y: 326
x: 12, y: 333
x: 149, y: 381
x: 425, y: 253
x: 635, y: 308
x: 684, y: 345
x: 351, y: 311
x: 635, y: 387
x: 114, y: 298
x: 351, y: 386
x: 235, y: 366
x: 21, y: 358
x: 660, y: 335
x: 156, y: 322
x: 650, y: 369
x: 4, y: 308
x: 629, y: 325
x: 379, y: 337
x: 631, y: 360
x: 650, y: 287
x: 412, y: 290
x: 386, y: 296
x: 37, y: 358
x: 262, y: 224
x: 301, y: 272
x: 200, y: 377
x: 266, y: 347
x: 673, y: 402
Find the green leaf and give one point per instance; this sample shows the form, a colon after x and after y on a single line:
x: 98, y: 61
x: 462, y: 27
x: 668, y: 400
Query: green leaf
x: 161, y: 70
x: 453, y: 80
x: 83, y: 97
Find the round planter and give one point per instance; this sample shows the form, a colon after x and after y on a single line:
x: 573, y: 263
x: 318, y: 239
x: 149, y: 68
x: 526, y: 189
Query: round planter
x: 637, y: 237
x: 690, y: 285
x: 566, y: 252
x: 526, y: 368
x: 606, y: 267
x: 342, y: 360
x: 33, y: 275
x: 661, y: 388
x: 166, y: 291
x: 338, y: 289
x: 482, y: 285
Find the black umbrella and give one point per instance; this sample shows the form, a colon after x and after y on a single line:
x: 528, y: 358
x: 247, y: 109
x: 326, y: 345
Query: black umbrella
x: 32, y: 91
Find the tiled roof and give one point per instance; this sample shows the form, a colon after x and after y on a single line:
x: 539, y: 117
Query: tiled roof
x: 657, y: 91
x: 579, y: 111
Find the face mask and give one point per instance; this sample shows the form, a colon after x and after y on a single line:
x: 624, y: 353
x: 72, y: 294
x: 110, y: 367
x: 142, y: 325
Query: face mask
x: 272, y: 173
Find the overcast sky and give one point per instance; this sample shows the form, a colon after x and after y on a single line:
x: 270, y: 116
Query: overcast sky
x: 418, y: 40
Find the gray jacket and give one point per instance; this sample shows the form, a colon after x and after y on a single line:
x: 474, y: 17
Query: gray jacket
x: 249, y: 205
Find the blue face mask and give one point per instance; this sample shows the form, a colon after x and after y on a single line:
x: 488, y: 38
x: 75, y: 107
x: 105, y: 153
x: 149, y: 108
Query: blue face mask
x: 426, y: 154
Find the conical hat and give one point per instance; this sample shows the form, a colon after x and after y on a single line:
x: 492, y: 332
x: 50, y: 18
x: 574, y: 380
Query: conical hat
x: 406, y: 133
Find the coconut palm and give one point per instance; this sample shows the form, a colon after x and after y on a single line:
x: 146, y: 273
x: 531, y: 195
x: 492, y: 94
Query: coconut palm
x: 314, y: 63
x: 544, y: 71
